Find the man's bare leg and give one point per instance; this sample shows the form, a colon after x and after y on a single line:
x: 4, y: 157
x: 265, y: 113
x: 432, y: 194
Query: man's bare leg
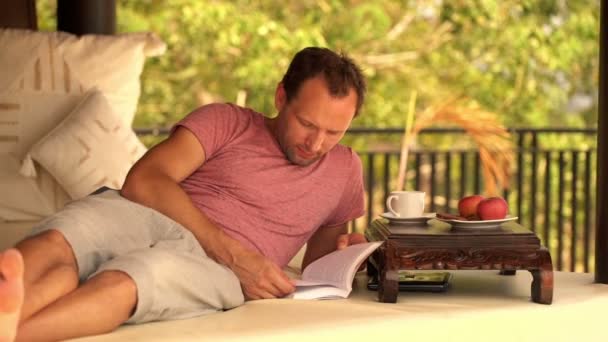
x: 50, y: 270
x: 11, y: 292
x: 98, y: 306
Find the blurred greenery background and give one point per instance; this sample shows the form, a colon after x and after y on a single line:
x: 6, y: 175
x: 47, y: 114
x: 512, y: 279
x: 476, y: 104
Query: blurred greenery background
x: 533, y: 62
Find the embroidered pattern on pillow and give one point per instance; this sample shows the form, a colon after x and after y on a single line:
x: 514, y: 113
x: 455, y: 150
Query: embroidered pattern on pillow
x: 91, y: 148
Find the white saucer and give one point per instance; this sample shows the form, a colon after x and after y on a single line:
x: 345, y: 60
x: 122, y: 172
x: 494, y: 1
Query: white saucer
x: 419, y: 219
x: 482, y: 224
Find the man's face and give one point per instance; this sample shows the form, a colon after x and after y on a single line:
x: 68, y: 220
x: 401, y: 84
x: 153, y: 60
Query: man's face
x: 313, y: 122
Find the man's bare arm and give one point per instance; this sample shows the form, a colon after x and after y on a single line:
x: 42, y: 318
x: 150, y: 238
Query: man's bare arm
x: 154, y: 182
x: 322, y: 242
x: 328, y: 239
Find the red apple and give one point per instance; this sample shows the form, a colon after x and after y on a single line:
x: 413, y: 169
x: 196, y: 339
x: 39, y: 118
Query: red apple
x: 493, y: 208
x: 467, y: 206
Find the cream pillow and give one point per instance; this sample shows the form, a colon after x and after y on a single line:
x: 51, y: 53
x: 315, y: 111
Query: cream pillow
x: 44, y: 75
x: 26, y: 117
x: 91, y: 148
x: 60, y: 62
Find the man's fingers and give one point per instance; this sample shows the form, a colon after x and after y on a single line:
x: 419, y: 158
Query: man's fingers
x: 342, y: 241
x: 260, y: 294
x: 261, y: 278
x: 265, y: 289
x: 346, y: 240
x: 269, y: 287
x: 275, y: 284
x: 283, y: 283
x: 11, y: 264
x: 356, y: 238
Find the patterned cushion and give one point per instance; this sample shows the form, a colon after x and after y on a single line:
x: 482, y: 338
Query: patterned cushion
x: 26, y: 116
x: 91, y: 148
x: 44, y: 75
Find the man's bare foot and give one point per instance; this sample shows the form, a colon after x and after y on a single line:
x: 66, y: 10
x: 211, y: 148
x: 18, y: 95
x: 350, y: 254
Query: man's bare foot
x: 11, y: 293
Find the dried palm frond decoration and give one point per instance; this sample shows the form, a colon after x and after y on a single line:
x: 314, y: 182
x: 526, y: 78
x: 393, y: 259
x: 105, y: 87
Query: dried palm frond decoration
x: 491, y: 137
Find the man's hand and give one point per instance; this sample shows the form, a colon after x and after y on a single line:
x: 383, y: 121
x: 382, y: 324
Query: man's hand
x: 261, y: 278
x: 345, y: 240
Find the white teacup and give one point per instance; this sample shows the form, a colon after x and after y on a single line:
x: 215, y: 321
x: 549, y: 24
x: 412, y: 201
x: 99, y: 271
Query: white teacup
x: 408, y: 203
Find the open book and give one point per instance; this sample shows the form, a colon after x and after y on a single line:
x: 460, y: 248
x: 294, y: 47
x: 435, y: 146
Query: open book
x: 332, y: 275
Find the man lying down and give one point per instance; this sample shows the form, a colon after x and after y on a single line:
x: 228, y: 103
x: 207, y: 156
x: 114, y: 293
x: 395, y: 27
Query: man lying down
x: 205, y: 220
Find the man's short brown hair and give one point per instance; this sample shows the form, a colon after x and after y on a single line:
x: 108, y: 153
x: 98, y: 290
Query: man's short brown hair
x: 340, y: 72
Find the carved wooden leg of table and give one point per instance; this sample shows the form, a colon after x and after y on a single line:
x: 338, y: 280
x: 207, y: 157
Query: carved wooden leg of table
x: 542, y: 279
x: 388, y: 281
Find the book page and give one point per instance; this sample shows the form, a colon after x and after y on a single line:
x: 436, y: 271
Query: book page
x: 319, y: 292
x: 300, y: 282
x: 337, y: 268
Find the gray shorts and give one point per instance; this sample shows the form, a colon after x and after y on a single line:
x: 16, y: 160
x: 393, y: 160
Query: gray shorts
x: 174, y: 276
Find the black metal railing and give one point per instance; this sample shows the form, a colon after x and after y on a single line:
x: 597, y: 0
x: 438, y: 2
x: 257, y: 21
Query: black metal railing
x: 552, y: 189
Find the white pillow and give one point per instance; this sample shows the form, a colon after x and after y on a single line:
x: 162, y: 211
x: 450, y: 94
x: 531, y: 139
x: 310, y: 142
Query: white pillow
x: 91, y: 148
x: 43, y: 76
x: 26, y: 117
x: 60, y: 62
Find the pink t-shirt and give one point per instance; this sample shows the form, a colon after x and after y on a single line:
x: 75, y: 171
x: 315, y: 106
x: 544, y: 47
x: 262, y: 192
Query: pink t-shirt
x: 249, y: 188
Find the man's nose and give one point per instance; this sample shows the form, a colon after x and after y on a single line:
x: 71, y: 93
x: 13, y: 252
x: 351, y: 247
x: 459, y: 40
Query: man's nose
x: 315, y: 141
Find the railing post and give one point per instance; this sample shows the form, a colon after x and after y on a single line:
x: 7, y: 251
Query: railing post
x: 463, y: 174
x: 387, y: 179
x: 560, y: 209
x: 547, y: 221
x: 370, y: 186
x: 533, y: 182
x: 574, y: 206
x: 448, y: 180
x: 588, y: 212
x: 520, y: 171
x: 433, y: 182
x: 601, y: 236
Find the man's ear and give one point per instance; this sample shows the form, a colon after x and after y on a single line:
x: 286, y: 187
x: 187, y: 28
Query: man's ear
x: 280, y: 97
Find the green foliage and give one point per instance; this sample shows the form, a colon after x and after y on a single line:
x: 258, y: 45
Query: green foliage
x: 215, y: 50
x: 522, y: 59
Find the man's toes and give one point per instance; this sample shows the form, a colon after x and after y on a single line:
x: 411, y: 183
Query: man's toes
x: 11, y: 281
x: 11, y: 265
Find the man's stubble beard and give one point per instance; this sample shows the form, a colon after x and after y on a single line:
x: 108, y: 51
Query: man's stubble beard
x: 290, y: 152
x: 292, y: 155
